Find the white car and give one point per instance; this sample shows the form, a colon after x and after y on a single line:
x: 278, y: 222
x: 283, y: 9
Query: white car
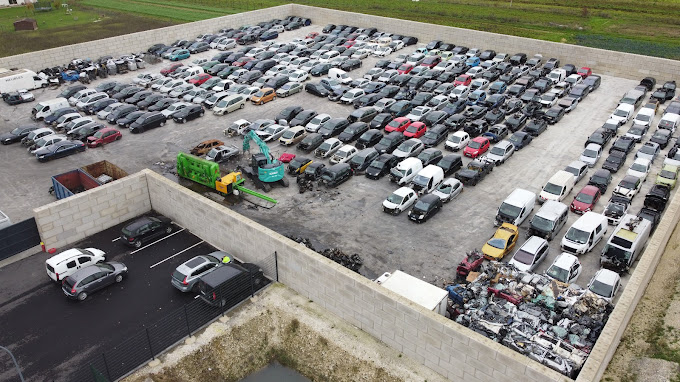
x: 409, y: 148
x: 644, y: 117
x: 648, y: 151
x: 344, y: 154
x: 66, y: 119
x: 549, y: 100
x: 351, y: 95
x: 623, y: 113
x: 102, y: 114
x: 475, y: 72
x: 628, y: 187
x: 460, y: 92
x: 419, y: 113
x: 167, y: 88
x: 382, y: 51
x: 591, y: 154
x: 298, y: 76
x: 673, y: 158
x: 76, y: 123
x: 298, y: 62
x: 396, y: 45
x: 640, y: 168
x: 530, y: 254
x: 479, y: 83
x: 68, y: 262
x: 578, y: 169
x: 314, y: 56
x: 236, y: 74
x: 271, y: 132
x: 174, y: 108
x: 249, y: 91
x: 254, y: 52
x: 605, y: 284
x: 388, y: 75
x: 448, y: 189
x: 316, y: 122
x: 90, y: 100
x: 574, y: 79
x: 275, y: 70
x: 383, y: 104
x: 566, y: 268
x: 399, y: 201
x: 328, y: 148
x: 500, y: 152
x: 46, y: 140
x: 457, y: 141
x: 561, y: 89
x: 228, y: 43
x: 178, y: 91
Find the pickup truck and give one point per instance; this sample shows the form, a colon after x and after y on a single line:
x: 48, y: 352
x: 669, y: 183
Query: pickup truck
x: 475, y: 172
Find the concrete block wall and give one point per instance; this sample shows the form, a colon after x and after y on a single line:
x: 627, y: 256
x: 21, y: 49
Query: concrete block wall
x: 74, y: 218
x: 440, y: 344
x: 140, y: 41
x: 602, y: 61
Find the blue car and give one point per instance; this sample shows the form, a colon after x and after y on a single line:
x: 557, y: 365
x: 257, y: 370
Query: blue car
x: 179, y: 55
x: 498, y: 87
x: 472, y: 62
x: 269, y: 35
x: 477, y: 96
x: 59, y: 150
x: 494, y: 101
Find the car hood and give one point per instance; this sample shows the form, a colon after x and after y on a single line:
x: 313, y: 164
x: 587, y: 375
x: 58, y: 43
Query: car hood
x: 494, y: 252
x: 580, y: 206
x: 42, y: 151
x: 520, y: 266
x: 7, y: 136
x: 466, y: 173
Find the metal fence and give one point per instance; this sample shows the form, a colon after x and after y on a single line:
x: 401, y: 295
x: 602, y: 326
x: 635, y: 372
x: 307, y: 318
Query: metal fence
x: 18, y: 237
x: 148, y: 343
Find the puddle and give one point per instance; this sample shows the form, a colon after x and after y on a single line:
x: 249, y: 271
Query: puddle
x: 275, y: 372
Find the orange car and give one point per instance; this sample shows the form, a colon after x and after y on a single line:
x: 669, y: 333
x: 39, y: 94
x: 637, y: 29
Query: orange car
x: 263, y: 96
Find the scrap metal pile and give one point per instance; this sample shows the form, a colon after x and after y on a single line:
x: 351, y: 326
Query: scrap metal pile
x: 352, y: 262
x: 553, y: 323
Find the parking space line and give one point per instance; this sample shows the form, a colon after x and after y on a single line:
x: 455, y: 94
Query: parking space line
x: 118, y: 238
x: 182, y: 251
x: 148, y: 245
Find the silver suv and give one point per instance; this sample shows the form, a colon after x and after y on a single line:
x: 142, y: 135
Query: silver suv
x: 186, y: 276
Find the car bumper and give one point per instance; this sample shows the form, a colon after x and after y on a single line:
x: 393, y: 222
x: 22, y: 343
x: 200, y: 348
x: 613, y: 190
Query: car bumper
x: 180, y: 286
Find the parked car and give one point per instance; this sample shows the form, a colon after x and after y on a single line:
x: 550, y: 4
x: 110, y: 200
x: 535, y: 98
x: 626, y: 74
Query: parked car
x: 585, y: 200
x: 145, y: 229
x: 426, y: 207
x: 87, y: 280
x: 59, y: 150
x: 534, y: 250
x: 501, y: 243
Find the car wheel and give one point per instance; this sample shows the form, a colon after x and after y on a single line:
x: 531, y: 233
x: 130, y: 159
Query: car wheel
x: 119, y: 278
x: 168, y: 230
x: 242, y: 106
x: 274, y: 99
x: 82, y: 296
x: 183, y: 120
x: 138, y: 244
x: 261, y: 103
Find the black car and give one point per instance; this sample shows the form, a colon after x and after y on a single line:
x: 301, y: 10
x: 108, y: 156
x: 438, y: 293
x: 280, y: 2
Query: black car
x: 360, y: 162
x: 106, y: 86
x: 320, y: 69
x: 311, y: 142
x: 59, y: 150
x: 303, y: 117
x: 128, y: 119
x: 139, y: 97
x: 662, y: 137
x: 333, y: 127
x: 381, y: 166
x: 90, y: 279
x: 337, y: 93
x: 593, y: 82
x: 494, y: 116
x: 127, y: 93
x: 404, y: 94
x: 335, y: 175
x: 426, y: 207
x: 120, y: 113
x: 614, y: 161
x: 624, y: 144
x: 353, y: 132
x: 455, y: 122
x: 389, y: 91
x: 350, y: 64
x: 188, y: 113
x: 145, y: 229
x: 434, y: 135
x: 601, y: 179
x: 516, y: 121
x: 421, y: 98
x: 296, y: 164
x: 390, y: 142
x: 434, y: 118
x: 380, y: 121
x: 147, y: 121
x: 17, y: 134
x: 474, y: 173
x: 450, y: 163
x: 103, y: 103
x: 83, y: 132
x: 430, y: 156
x: 474, y: 112
x: 536, y: 126
x: 71, y: 90
x: 600, y: 136
x: 289, y: 113
x: 316, y: 89
x: 162, y: 104
x: 58, y: 113
x: 520, y: 139
x: 369, y: 138
x: 554, y: 115
x: 477, y: 127
x: 367, y: 100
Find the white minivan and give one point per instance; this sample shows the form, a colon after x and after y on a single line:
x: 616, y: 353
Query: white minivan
x: 516, y: 207
x: 406, y: 170
x: 585, y: 233
x: 68, y: 262
x: 558, y: 187
x: 428, y: 179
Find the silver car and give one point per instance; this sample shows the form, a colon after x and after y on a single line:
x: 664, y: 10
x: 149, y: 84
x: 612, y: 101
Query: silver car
x: 186, y: 276
x: 89, y: 279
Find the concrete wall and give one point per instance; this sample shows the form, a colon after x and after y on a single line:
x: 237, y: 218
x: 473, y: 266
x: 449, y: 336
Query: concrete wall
x: 140, y: 41
x: 74, y: 218
x: 613, y: 63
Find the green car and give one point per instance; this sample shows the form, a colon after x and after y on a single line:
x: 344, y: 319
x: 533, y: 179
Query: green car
x: 668, y: 176
x: 179, y: 55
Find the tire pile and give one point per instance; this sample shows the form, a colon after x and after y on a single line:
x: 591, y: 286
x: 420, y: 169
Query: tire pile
x: 352, y: 262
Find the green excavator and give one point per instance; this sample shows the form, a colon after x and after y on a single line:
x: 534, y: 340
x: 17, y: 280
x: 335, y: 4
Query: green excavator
x: 265, y: 170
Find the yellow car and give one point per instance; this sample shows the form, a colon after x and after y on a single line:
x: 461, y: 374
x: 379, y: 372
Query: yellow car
x: 668, y: 176
x: 501, y: 243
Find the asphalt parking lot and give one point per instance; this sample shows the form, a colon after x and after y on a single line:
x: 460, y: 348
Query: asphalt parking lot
x: 348, y: 217
x: 51, y: 335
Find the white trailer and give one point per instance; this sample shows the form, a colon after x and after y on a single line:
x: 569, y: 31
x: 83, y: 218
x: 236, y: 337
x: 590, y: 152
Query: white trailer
x: 15, y: 80
x: 416, y: 290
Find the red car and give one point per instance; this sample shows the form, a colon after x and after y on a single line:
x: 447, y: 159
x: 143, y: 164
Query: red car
x: 349, y: 44
x: 415, y: 130
x: 431, y: 61
x: 242, y: 61
x: 404, y: 68
x: 398, y: 124
x: 312, y: 34
x: 585, y: 72
x: 167, y: 70
x: 199, y: 79
x: 463, y: 79
x: 585, y: 200
x: 103, y: 136
x: 476, y: 147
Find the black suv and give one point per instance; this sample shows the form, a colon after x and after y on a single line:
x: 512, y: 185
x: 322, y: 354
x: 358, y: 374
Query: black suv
x: 624, y: 144
x: 145, y: 229
x: 336, y: 174
x: 147, y: 121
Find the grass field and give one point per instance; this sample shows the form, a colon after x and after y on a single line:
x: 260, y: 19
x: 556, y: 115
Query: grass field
x: 649, y: 27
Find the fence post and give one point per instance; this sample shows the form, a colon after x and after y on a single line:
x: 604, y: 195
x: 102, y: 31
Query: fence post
x: 276, y: 265
x: 186, y: 318
x: 106, y: 366
x: 252, y: 287
x: 148, y: 338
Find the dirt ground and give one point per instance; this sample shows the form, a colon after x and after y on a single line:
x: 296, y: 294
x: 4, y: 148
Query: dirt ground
x: 283, y: 326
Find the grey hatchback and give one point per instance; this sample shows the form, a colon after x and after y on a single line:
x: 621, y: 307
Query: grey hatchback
x: 89, y: 279
x: 186, y: 276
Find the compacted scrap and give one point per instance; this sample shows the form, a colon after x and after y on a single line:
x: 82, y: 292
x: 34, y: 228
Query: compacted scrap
x: 551, y: 322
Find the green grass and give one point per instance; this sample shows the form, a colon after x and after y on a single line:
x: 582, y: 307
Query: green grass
x: 46, y: 20
x: 649, y: 27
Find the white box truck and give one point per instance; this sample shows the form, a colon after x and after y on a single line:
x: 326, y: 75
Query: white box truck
x: 416, y: 290
x: 15, y: 80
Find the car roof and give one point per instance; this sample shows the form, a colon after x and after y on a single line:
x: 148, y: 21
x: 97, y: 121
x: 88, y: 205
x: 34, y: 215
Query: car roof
x: 403, y: 191
x: 138, y: 223
x: 606, y: 276
x: 565, y: 260
x: 56, y: 259
x: 533, y: 244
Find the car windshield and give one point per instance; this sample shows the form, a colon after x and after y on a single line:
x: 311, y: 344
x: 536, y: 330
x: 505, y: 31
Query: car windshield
x: 552, y: 188
x: 421, y: 206
x: 620, y: 113
x: 395, y: 199
x: 590, y: 153
x: 660, y: 135
x: 222, y: 103
x: 667, y: 174
x: 614, y: 159
x: 559, y: 274
x: 509, y: 210
x: 585, y: 198
x: 616, y: 208
x: 542, y: 224
x: 497, y: 243
x: 523, y: 257
x: 474, y: 145
x: 643, y: 117
x: 600, y: 288
x: 647, y: 150
x: 577, y: 236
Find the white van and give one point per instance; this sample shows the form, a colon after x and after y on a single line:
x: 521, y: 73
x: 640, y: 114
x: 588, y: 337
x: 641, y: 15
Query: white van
x: 585, y: 233
x: 549, y: 220
x: 384, y: 41
x: 626, y: 243
x: 558, y: 187
x: 406, y: 170
x: 68, y: 262
x: 428, y: 179
x: 669, y: 121
x: 557, y: 75
x: 623, y: 113
x: 45, y: 108
x: 340, y: 75
x: 516, y: 207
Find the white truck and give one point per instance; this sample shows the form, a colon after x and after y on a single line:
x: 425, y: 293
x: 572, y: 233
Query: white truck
x: 626, y: 243
x: 15, y: 80
x: 422, y: 293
